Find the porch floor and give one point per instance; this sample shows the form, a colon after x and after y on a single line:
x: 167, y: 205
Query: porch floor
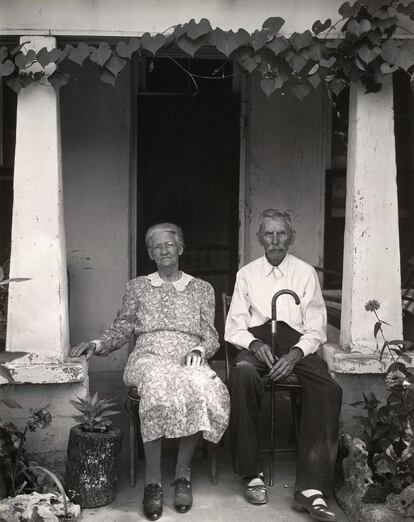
x: 220, y: 503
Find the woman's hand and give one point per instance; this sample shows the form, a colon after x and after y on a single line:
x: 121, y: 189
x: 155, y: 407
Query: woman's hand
x: 86, y: 349
x: 194, y: 358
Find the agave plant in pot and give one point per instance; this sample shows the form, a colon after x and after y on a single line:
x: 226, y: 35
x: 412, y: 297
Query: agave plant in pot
x: 93, y: 451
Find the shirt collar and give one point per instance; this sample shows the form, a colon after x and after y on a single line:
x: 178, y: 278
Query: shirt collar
x: 179, y: 285
x: 278, y: 270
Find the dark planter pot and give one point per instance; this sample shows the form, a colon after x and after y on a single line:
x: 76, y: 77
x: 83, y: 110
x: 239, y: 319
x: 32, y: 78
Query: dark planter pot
x: 92, y: 466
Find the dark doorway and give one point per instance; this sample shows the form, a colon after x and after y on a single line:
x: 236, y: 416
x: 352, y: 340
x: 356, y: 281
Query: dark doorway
x: 188, y: 173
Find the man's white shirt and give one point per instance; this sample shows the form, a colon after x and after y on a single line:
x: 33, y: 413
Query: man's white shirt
x: 256, y: 284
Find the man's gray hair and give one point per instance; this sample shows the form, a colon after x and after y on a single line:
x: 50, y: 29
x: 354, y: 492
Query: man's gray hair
x: 274, y: 214
x: 165, y: 227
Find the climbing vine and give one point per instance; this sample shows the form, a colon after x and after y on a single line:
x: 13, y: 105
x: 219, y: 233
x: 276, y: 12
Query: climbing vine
x: 367, y: 43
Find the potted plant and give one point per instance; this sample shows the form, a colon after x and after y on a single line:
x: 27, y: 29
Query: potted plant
x: 93, y: 451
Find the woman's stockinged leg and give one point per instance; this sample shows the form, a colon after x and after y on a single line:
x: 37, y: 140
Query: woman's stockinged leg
x: 152, y: 451
x: 186, y: 448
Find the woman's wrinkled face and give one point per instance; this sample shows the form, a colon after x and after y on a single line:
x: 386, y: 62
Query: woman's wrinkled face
x: 164, y: 249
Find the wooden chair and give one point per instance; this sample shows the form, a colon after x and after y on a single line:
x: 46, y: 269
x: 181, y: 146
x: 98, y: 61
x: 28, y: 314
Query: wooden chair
x: 135, y: 440
x: 291, y: 385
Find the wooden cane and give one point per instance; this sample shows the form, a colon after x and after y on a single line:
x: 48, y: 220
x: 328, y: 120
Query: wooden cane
x: 272, y: 397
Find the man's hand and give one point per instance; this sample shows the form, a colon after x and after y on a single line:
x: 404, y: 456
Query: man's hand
x: 87, y: 349
x: 285, y: 365
x: 194, y: 358
x: 263, y: 352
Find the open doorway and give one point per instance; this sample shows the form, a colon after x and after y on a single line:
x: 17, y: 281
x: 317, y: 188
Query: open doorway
x: 188, y: 166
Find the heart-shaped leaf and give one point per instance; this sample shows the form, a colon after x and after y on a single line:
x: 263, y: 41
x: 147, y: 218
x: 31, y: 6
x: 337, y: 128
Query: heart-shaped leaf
x: 366, y: 54
x: 58, y: 79
x: 390, y: 51
x: 315, y: 80
x: 43, y: 57
x: 7, y: 68
x: 107, y: 77
x: 278, y: 45
x: 152, y: 43
x: 101, y: 54
x: 245, y: 59
x: 134, y: 44
x: 54, y: 55
x: 64, y: 53
x: 297, y: 63
x: 196, y: 30
x: 269, y: 85
x: 327, y: 63
x: 84, y: 50
x: 20, y: 60
x: 30, y: 57
x: 79, y: 53
x: 273, y: 25
x: 3, y: 53
x: 190, y: 46
x: 259, y: 39
x: 319, y: 27
x: 386, y: 23
x: 115, y: 64
x: 243, y: 37
x: 346, y: 10
x: 301, y: 90
x: 388, y: 69
x: 316, y: 51
x: 125, y: 50
x: 301, y: 40
x: 14, y: 83
x: 179, y: 30
x: 225, y: 42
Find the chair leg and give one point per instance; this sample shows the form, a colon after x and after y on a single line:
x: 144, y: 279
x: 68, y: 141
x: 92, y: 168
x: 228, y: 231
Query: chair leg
x: 272, y: 435
x: 139, y: 436
x: 296, y: 413
x: 213, y: 475
x: 132, y: 443
x: 205, y: 448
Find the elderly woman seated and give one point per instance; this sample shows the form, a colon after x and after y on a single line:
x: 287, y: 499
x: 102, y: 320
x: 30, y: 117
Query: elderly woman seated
x: 172, y: 315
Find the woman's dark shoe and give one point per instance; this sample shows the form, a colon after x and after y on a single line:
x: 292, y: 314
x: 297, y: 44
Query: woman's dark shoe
x: 183, y: 495
x: 152, y: 501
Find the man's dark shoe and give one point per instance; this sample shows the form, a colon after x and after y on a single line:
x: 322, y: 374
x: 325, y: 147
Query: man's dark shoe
x: 183, y: 495
x: 316, y: 511
x: 153, y: 501
x: 255, y: 491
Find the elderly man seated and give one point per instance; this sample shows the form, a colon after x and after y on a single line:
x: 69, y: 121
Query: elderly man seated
x: 301, y: 330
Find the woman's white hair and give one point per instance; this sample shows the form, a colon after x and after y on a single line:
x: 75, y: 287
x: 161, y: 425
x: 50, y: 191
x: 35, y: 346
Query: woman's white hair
x: 165, y: 227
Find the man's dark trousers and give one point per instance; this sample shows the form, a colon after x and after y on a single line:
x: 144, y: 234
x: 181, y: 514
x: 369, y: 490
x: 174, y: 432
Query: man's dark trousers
x: 320, y: 408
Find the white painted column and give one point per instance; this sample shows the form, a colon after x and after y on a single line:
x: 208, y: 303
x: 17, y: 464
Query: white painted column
x: 38, y: 309
x: 371, y: 250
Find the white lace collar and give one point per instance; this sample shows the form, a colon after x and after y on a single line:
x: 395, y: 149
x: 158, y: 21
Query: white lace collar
x: 179, y: 285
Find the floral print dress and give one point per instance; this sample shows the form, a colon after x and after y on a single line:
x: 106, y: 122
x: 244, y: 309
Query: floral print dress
x: 168, y: 320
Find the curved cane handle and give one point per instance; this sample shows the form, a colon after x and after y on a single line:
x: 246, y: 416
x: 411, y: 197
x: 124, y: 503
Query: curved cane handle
x: 274, y: 299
